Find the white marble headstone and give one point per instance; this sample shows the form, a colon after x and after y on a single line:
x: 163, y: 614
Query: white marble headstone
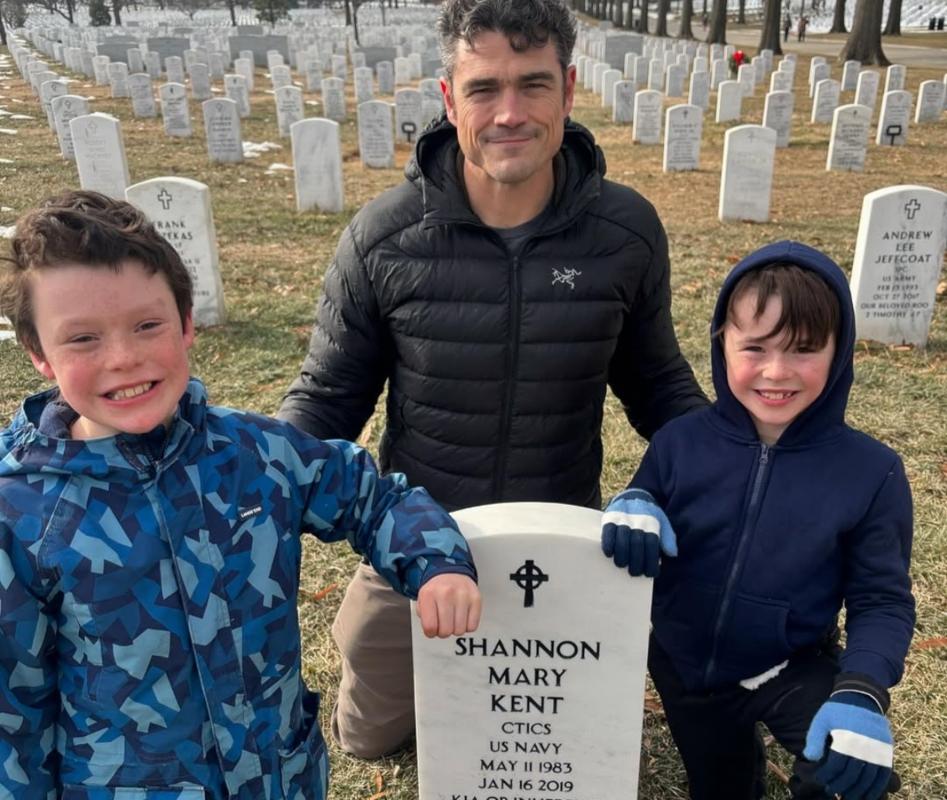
x: 895, y: 77
x: 222, y: 130
x: 174, y: 109
x: 623, y: 101
x: 235, y: 88
x: 699, y: 92
x: 682, y: 128
x: 181, y: 212
x: 848, y: 142
x: 65, y: 109
x: 646, y: 128
x: 729, y: 101
x: 333, y: 99
x: 409, y: 117
x: 866, y: 90
x: 850, y: 72
x: 899, y: 251
x: 777, y: 114
x: 894, y: 119
x: 545, y: 699
x: 142, y: 94
x: 376, y: 143
x: 317, y: 163
x: 746, y: 178
x: 289, y: 108
x: 825, y: 101
x: 100, y: 154
x: 930, y: 101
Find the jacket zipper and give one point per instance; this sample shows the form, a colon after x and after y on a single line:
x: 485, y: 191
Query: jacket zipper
x: 499, y: 476
x: 748, y: 525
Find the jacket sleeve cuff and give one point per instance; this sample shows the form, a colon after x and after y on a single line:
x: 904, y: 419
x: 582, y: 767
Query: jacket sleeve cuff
x: 862, y: 684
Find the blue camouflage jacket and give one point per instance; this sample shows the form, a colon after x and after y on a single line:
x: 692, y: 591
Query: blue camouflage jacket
x: 149, y: 639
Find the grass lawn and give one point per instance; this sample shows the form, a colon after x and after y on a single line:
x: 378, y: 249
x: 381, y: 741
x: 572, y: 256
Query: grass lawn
x: 273, y: 260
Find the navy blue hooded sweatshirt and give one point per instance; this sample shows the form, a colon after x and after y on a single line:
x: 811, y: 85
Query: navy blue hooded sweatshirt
x: 774, y: 539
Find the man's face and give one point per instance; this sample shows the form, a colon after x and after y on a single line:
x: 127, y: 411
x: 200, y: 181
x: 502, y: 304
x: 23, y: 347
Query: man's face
x: 114, y: 344
x: 508, y: 107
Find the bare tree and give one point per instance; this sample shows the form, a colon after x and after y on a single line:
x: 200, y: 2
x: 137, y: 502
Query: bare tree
x: 662, y: 28
x: 717, y: 31
x: 769, y: 33
x: 643, y: 24
x: 893, y: 26
x: 838, y: 18
x: 864, y: 41
x: 741, y: 13
x: 65, y: 10
x: 687, y: 15
x: 117, y: 11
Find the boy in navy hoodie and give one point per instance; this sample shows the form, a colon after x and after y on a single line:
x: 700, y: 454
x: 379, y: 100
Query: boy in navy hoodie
x: 783, y: 514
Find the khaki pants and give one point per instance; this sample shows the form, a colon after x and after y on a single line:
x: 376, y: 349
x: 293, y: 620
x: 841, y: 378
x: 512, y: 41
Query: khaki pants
x: 374, y: 715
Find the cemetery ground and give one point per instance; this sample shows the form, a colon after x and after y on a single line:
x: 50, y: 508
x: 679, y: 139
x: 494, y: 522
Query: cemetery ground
x: 273, y: 259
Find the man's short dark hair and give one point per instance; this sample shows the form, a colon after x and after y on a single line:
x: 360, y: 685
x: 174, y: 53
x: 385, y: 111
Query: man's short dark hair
x: 92, y: 230
x: 810, y: 313
x: 526, y: 23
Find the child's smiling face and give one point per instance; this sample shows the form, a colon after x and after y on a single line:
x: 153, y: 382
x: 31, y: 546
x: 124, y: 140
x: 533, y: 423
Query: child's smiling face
x: 114, y: 343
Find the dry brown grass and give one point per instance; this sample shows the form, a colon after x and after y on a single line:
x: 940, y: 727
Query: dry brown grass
x: 273, y: 261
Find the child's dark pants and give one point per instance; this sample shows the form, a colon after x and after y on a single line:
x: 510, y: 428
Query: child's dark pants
x: 716, y: 732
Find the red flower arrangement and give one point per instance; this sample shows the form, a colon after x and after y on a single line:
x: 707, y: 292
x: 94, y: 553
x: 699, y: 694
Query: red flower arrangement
x: 736, y: 60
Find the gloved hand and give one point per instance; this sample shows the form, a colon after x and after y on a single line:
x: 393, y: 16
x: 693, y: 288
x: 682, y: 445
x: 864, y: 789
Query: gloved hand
x: 861, y: 751
x: 633, y: 529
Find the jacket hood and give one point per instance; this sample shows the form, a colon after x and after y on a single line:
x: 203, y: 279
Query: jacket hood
x: 827, y: 413
x: 26, y: 449
x: 580, y: 167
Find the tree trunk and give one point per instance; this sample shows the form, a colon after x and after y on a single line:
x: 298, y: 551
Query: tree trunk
x: 717, y: 30
x: 769, y: 33
x: 741, y: 13
x: 3, y: 30
x: 643, y: 19
x: 663, y: 8
x: 687, y: 14
x: 864, y: 42
x: 893, y: 27
x: 838, y: 18
x: 233, y: 12
x: 117, y: 11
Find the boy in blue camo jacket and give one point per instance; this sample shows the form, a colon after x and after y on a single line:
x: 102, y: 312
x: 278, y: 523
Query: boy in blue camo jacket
x: 149, y: 548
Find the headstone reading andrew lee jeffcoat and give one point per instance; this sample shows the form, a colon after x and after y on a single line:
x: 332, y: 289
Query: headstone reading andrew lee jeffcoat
x: 545, y: 699
x: 899, y: 251
x: 317, y: 165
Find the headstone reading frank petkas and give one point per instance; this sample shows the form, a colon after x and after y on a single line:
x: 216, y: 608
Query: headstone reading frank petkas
x: 544, y: 699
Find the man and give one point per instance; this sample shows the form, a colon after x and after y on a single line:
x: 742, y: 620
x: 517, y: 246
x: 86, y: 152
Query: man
x: 499, y: 291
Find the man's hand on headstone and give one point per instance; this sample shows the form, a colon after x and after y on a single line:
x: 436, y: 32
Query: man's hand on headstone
x: 449, y: 605
x: 634, y: 530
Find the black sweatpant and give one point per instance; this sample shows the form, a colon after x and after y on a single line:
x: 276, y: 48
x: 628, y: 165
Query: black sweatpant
x: 716, y: 732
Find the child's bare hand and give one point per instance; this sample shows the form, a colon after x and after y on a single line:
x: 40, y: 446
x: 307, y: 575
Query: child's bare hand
x: 449, y: 605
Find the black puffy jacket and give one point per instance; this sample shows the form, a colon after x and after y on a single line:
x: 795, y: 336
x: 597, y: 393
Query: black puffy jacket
x: 497, y: 365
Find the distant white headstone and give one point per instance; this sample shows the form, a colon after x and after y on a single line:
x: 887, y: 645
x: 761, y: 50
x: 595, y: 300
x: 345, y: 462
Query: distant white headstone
x: 780, y: 81
x: 866, y: 90
x: 222, y: 130
x: 777, y: 114
x: 549, y: 692
x: 289, y: 108
x: 746, y: 77
x: 729, y: 101
x: 894, y: 119
x: 142, y: 93
x: 180, y: 210
x: 746, y: 179
x: 930, y: 101
x: 699, y: 92
x: 825, y: 101
x: 718, y: 73
x: 682, y: 129
x: 385, y: 71
x: 174, y: 68
x: 817, y: 72
x: 674, y: 83
x: 848, y: 143
x: 244, y: 67
x: 898, y: 256
x: 174, y: 109
x: 623, y: 101
x: 609, y: 79
x: 317, y: 162
x: 647, y: 123
x: 850, y: 72
x: 235, y: 88
x: 65, y: 109
x: 333, y: 99
x: 100, y: 154
x: 376, y: 144
x: 409, y: 117
x: 364, y: 80
x: 118, y: 78
x: 895, y: 77
x: 200, y: 81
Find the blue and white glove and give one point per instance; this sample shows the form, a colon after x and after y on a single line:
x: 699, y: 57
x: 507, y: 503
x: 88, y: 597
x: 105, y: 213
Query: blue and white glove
x: 860, y: 748
x: 634, y: 528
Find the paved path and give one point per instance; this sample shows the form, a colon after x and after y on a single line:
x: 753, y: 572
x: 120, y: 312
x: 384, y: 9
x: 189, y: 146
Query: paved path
x: 909, y: 55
